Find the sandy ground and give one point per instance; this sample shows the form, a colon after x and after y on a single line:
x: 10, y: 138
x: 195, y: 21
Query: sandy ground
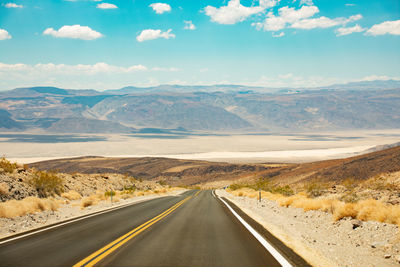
x: 28, y: 222
x: 270, y: 147
x: 320, y: 240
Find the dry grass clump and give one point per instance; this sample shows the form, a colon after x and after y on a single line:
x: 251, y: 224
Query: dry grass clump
x: 7, y: 166
x: 71, y: 195
x: 4, y: 189
x: 89, y: 201
x: 365, y: 210
x: 29, y: 205
x: 160, y: 191
x: 47, y: 183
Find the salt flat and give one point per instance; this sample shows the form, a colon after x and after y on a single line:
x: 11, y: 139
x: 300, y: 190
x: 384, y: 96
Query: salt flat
x: 261, y: 147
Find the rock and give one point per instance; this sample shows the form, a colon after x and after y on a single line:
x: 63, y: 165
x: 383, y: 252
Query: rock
x: 387, y: 256
x: 394, y: 202
x: 356, y: 223
x: 377, y: 244
x: 20, y: 170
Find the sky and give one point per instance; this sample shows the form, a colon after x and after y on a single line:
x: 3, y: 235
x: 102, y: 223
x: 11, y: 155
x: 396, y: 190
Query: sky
x: 110, y: 44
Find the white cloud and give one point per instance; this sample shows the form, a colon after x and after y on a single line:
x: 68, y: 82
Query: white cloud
x: 171, y: 69
x: 4, y: 35
x: 13, y: 5
x: 345, y: 31
x: 268, y: 3
x: 64, y: 69
x: 300, y: 19
x: 74, y: 32
x: 235, y: 12
x: 278, y: 35
x: 106, y: 6
x: 189, y: 25
x: 379, y: 78
x: 387, y: 27
x: 151, y: 34
x: 323, y: 22
x: 286, y: 15
x: 350, y: 4
x: 160, y: 8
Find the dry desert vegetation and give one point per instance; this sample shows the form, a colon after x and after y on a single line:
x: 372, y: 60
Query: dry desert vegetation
x: 323, y: 215
x: 27, y: 193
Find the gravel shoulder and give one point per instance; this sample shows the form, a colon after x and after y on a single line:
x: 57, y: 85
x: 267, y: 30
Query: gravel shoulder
x: 12, y: 226
x: 320, y: 240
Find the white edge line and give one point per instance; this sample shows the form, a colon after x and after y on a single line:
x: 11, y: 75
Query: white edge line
x: 212, y: 192
x: 83, y: 217
x: 263, y: 242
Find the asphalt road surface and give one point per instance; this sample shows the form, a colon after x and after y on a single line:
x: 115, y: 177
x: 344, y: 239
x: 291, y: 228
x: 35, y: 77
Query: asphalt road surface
x: 193, y: 229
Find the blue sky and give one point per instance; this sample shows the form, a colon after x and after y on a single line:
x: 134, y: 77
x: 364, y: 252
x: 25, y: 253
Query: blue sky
x: 110, y: 44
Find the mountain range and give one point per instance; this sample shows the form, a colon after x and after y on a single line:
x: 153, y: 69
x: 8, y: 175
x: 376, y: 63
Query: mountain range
x: 217, y: 108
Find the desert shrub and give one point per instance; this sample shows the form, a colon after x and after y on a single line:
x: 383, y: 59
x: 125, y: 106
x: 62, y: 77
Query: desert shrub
x: 283, y: 190
x: 29, y: 205
x: 47, y: 183
x: 126, y: 192
x: 350, y: 184
x: 235, y: 186
x: 262, y: 184
x: 162, y: 182
x: 350, y: 197
x: 110, y: 193
x: 71, y: 195
x: 314, y: 189
x: 131, y: 187
x: 7, y: 166
x: 365, y: 210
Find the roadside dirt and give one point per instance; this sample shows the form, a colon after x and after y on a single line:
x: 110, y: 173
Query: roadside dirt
x: 320, y: 240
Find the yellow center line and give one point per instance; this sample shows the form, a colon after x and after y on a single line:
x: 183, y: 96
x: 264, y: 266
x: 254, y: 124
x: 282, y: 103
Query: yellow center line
x: 100, y: 254
x: 198, y: 192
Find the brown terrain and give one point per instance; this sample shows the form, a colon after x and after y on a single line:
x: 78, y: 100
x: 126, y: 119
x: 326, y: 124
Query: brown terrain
x: 172, y: 171
x: 192, y: 172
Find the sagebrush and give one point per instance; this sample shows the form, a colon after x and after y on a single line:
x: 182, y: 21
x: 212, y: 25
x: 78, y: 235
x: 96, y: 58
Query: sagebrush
x: 47, y: 183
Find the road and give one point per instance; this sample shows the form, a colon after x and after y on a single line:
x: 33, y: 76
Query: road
x: 193, y: 229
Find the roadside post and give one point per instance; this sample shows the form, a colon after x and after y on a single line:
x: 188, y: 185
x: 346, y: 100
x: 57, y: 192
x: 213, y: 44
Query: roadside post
x: 259, y: 194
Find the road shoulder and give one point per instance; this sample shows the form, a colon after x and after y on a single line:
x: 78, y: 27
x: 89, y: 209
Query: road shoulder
x: 316, y: 237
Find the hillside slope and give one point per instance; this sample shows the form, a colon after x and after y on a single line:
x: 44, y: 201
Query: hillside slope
x: 191, y: 172
x: 173, y: 171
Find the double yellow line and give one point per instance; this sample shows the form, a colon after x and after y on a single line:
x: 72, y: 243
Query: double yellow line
x: 108, y: 249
